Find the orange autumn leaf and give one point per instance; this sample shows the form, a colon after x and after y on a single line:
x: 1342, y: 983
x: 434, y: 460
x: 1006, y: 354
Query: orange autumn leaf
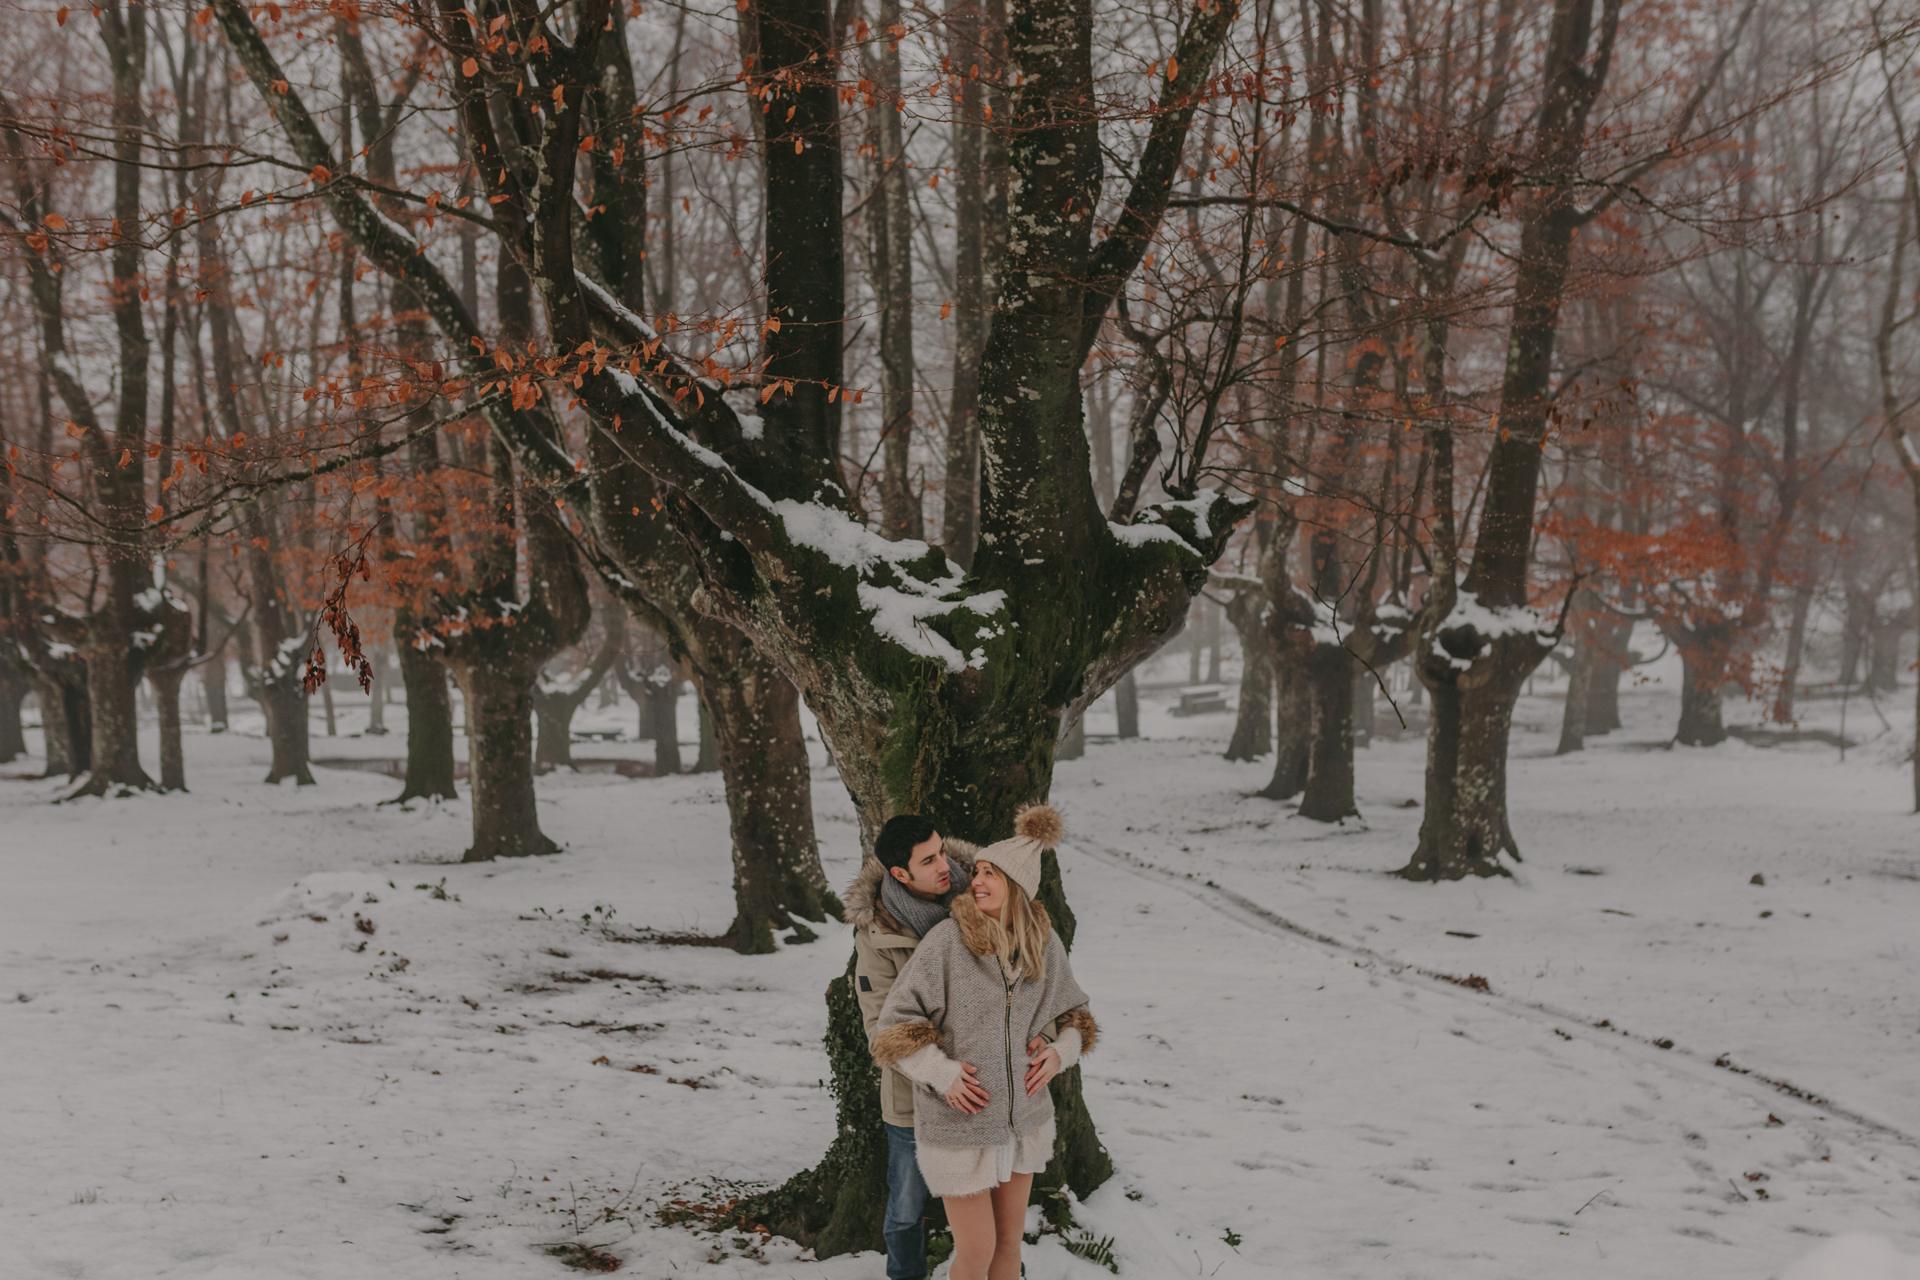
x: 471, y: 67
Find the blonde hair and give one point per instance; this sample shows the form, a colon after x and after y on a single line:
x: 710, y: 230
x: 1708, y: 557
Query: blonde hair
x: 1020, y: 935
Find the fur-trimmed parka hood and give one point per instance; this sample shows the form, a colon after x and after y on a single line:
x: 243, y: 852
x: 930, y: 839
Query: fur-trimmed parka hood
x: 975, y: 930
x: 862, y: 897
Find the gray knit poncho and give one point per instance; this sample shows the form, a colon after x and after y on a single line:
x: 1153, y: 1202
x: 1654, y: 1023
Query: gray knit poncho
x: 954, y: 994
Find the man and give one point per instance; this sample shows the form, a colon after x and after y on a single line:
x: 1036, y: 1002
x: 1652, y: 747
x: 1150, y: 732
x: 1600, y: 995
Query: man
x: 900, y: 894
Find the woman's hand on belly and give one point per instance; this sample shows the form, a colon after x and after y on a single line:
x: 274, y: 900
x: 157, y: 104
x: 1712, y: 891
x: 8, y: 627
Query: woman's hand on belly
x: 1042, y: 1066
x: 967, y: 1094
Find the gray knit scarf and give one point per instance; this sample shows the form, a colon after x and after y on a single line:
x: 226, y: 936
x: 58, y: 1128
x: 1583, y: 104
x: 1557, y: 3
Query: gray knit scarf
x: 921, y: 914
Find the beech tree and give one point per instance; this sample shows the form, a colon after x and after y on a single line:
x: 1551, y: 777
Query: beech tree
x: 939, y: 691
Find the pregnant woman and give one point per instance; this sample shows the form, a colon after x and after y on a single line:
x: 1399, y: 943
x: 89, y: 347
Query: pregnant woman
x: 968, y: 1021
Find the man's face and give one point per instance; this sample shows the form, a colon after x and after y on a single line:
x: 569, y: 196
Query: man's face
x: 926, y: 874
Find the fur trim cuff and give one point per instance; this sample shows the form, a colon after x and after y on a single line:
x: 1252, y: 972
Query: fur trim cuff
x: 930, y: 1067
x: 976, y: 931
x: 903, y: 1040
x: 1082, y: 1021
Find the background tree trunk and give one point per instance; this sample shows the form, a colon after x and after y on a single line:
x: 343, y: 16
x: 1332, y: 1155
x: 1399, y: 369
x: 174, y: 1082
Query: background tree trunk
x: 1576, y: 710
x: 708, y: 761
x: 1702, y: 681
x: 890, y: 218
x: 777, y: 877
x: 14, y: 688
x: 282, y: 652
x: 555, y: 708
x: 166, y: 668
x: 1293, y: 729
x: 66, y: 750
x: 114, y: 662
x: 506, y: 821
x: 430, y: 763
x: 213, y: 688
x: 663, y: 717
x: 1465, y: 827
x: 1364, y: 685
x: 1126, y: 706
x: 979, y: 163
x: 1329, y: 790
x: 1802, y: 605
x: 1609, y: 659
x: 1883, y: 667
x: 377, y: 694
x: 1253, y: 723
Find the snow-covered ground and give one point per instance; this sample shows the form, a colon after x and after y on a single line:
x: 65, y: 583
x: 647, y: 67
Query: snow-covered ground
x: 212, y: 1070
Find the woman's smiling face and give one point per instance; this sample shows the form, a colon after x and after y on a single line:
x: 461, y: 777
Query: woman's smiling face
x: 989, y: 889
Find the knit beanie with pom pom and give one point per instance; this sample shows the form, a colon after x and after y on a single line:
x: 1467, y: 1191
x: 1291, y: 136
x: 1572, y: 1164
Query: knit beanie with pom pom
x: 1037, y: 828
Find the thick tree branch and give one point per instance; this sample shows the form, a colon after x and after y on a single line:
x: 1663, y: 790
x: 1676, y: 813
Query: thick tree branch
x: 1120, y: 253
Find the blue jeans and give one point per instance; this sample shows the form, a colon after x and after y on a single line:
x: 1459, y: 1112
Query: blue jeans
x: 904, y: 1229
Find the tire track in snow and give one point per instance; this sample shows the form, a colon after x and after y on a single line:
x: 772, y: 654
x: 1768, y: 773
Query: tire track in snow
x: 1646, y: 1049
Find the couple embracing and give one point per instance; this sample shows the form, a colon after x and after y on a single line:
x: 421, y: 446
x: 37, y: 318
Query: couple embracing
x: 971, y: 1010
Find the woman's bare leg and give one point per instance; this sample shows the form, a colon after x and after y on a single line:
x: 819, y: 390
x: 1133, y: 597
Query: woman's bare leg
x: 971, y: 1219
x: 1009, y: 1222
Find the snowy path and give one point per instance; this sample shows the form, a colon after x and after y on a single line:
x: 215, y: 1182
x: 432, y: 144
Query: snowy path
x: 1783, y: 1094
x: 1591, y: 1153
x: 204, y: 1080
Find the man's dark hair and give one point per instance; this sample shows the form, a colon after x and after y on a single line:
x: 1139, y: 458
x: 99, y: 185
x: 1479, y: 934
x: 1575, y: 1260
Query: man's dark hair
x: 894, y: 845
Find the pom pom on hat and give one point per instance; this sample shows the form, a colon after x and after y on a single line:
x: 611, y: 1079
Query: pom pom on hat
x: 1041, y: 824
